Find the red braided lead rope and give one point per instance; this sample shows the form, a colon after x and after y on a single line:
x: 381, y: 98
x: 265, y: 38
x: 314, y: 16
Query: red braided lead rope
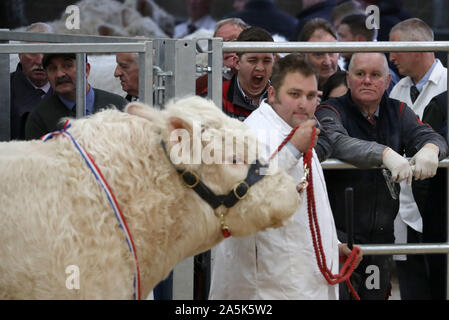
x: 351, y: 261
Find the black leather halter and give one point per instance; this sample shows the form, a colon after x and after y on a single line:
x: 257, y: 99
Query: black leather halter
x: 240, y: 190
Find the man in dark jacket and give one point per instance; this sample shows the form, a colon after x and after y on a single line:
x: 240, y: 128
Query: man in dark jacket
x: 314, y: 9
x: 368, y: 129
x: 266, y: 15
x: 61, y: 71
x: 29, y: 85
x: 326, y: 63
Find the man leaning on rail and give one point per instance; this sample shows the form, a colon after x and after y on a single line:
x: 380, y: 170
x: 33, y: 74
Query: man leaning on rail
x: 367, y: 129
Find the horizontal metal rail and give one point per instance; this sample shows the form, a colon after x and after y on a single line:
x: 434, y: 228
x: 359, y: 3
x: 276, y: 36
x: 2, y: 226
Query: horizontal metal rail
x: 60, y: 37
x: 91, y: 45
x: 144, y: 49
x: 72, y: 48
x: 422, y: 248
x: 362, y: 46
x: 337, y: 164
x: 379, y: 249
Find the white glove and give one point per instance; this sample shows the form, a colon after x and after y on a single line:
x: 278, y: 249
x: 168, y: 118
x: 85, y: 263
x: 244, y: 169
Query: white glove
x: 425, y: 162
x: 398, y: 165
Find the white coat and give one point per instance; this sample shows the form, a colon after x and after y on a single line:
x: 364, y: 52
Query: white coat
x: 279, y: 263
x: 408, y: 210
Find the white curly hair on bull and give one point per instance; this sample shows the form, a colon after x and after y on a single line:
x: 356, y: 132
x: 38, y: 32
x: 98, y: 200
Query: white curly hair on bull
x: 55, y: 216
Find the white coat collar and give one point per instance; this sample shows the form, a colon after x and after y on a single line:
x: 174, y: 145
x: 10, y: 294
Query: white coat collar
x: 268, y: 112
x: 434, y: 78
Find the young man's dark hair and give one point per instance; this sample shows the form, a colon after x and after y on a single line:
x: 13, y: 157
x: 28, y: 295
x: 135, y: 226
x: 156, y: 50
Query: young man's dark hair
x: 316, y: 24
x: 357, y: 25
x: 254, y: 34
x: 334, y: 81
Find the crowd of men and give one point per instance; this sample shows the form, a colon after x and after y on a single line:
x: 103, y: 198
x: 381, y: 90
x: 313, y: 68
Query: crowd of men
x: 370, y: 111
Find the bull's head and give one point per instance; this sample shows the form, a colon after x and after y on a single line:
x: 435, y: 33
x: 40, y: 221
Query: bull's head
x: 216, y: 156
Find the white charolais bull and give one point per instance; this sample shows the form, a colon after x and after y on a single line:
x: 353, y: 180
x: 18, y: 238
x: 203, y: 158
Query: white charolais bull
x: 57, y: 219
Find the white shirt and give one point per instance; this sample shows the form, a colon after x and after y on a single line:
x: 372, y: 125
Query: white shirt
x: 45, y: 87
x: 279, y: 263
x: 206, y: 22
x: 408, y: 210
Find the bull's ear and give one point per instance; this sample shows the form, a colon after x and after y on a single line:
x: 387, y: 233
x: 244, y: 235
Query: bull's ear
x: 178, y: 123
x: 141, y: 110
x: 180, y: 131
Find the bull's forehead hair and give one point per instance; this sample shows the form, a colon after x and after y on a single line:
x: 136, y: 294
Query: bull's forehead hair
x: 195, y: 108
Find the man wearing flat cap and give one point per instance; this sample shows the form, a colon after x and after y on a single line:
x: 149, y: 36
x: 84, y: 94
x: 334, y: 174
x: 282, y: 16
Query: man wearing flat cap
x: 61, y: 71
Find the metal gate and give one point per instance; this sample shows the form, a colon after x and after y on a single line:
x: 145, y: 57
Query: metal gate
x: 172, y: 62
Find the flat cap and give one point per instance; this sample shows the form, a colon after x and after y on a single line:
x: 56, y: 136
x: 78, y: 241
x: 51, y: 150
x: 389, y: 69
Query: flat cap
x: 48, y: 56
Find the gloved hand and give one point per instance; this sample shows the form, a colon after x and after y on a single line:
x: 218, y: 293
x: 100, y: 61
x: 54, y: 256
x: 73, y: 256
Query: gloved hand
x: 398, y: 165
x: 425, y: 162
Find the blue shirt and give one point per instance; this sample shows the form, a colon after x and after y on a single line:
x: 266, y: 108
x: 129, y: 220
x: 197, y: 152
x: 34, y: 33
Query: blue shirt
x: 426, y: 77
x: 90, y: 97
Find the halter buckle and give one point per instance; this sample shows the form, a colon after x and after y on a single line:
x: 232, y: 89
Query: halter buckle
x: 187, y: 179
x: 237, y: 186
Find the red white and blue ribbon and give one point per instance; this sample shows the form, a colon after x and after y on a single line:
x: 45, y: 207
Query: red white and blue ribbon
x: 109, y: 194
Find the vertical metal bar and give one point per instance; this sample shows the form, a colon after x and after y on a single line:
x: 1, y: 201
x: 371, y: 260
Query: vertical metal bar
x: 185, y: 67
x: 349, y: 201
x: 146, y: 74
x: 80, y: 85
x: 5, y: 99
x: 168, y: 65
x: 179, y: 62
x: 447, y: 196
x: 215, y: 78
x: 159, y: 62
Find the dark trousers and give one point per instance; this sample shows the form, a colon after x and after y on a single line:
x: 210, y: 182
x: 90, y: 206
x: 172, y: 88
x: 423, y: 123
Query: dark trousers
x: 413, y: 272
x: 371, y: 279
x: 164, y: 289
x: 431, y: 198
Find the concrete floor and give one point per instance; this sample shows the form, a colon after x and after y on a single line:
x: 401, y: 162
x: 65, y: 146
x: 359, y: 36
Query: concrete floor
x: 183, y: 282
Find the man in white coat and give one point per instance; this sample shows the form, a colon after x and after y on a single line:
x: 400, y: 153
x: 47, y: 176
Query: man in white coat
x: 425, y: 78
x: 281, y: 263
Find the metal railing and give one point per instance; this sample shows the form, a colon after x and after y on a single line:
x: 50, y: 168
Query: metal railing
x: 144, y: 49
x: 173, y: 62
x: 289, y: 47
x: 176, y: 60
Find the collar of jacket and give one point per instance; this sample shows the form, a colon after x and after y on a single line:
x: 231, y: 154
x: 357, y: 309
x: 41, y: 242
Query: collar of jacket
x: 236, y: 97
x: 346, y: 100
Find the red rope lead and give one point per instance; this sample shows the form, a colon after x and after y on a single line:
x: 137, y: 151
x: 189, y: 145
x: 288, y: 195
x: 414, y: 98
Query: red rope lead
x: 351, y: 261
x: 290, y: 135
